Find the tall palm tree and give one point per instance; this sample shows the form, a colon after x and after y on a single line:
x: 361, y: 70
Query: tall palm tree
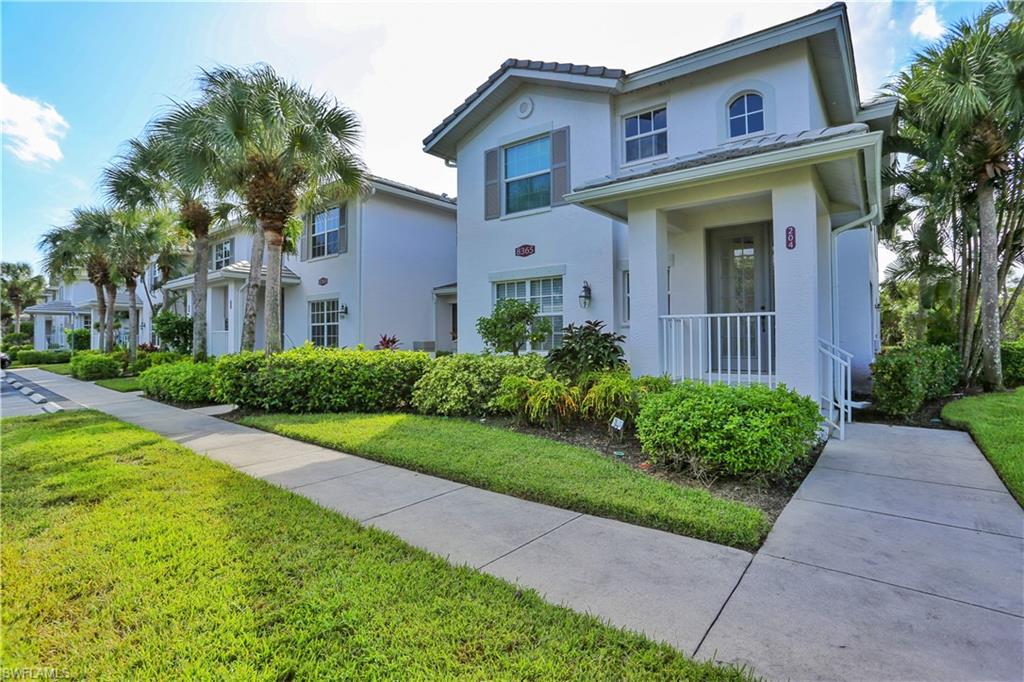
x: 281, y: 148
x: 154, y: 173
x: 20, y: 287
x: 970, y: 88
x: 84, y: 245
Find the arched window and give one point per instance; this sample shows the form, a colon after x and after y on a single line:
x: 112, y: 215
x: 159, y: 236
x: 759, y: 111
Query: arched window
x: 746, y: 114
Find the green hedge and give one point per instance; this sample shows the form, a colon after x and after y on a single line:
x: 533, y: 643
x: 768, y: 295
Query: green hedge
x: 43, y: 357
x: 739, y: 430
x: 310, y: 379
x: 467, y: 385
x: 1013, y: 363
x: 13, y: 351
x: 90, y: 365
x: 904, y: 378
x: 180, y: 382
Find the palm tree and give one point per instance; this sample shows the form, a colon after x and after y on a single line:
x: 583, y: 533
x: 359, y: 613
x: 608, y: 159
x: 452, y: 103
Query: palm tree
x: 281, y: 148
x: 969, y: 88
x: 153, y: 173
x: 84, y: 245
x: 20, y: 287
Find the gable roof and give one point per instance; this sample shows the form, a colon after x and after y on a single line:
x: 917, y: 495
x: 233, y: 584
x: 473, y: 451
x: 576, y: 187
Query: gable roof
x: 827, y: 31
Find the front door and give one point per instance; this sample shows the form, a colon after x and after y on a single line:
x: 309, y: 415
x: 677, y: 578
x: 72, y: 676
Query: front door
x: 740, y: 281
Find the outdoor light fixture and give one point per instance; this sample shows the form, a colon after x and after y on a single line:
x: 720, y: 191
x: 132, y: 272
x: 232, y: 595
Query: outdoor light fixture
x: 585, y: 295
x: 343, y: 310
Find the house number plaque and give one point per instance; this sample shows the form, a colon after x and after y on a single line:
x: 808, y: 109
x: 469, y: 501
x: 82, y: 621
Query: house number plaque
x: 322, y: 281
x: 790, y: 237
x: 524, y: 250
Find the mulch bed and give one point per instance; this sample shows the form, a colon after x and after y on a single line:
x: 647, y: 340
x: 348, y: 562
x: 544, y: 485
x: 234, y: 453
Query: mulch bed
x: 928, y: 417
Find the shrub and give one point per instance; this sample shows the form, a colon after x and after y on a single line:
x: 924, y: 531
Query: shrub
x: 89, y: 365
x: 43, y: 357
x: 587, y: 348
x: 311, y: 379
x: 904, y: 378
x: 78, y: 339
x: 386, y: 342
x: 512, y: 325
x: 513, y: 394
x: 175, y: 331
x: 17, y: 339
x: 13, y: 351
x: 1013, y: 363
x: 180, y: 382
x: 739, y: 430
x: 467, y: 385
x: 617, y: 394
x: 552, y: 403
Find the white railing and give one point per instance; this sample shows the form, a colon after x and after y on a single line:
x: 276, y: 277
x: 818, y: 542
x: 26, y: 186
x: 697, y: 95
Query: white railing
x: 836, y: 398
x: 733, y: 348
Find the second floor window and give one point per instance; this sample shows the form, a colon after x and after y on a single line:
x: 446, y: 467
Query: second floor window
x: 746, y: 115
x: 646, y: 134
x: 528, y: 175
x: 222, y: 255
x: 326, y: 237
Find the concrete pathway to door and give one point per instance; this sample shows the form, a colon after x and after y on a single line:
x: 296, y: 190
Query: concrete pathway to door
x: 900, y: 557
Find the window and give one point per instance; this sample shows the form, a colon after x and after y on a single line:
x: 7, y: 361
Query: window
x: 625, y: 296
x: 746, y: 115
x: 324, y: 322
x: 646, y: 135
x: 326, y: 236
x: 222, y: 255
x: 547, y: 294
x: 528, y: 175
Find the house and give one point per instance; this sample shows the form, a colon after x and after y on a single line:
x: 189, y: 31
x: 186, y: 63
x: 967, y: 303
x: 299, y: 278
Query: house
x: 718, y: 209
x: 361, y: 269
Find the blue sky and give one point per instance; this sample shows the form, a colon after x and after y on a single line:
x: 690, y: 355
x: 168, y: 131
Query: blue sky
x: 80, y: 79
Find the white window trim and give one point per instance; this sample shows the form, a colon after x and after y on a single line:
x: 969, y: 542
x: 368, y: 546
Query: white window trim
x: 506, y: 179
x: 529, y: 297
x: 729, y: 118
x: 626, y: 311
x: 230, y: 256
x: 743, y: 87
x: 342, y: 224
x: 624, y: 138
x: 310, y: 300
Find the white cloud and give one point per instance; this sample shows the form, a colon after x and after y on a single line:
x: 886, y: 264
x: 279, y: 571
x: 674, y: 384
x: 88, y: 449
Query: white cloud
x: 32, y: 130
x: 927, y: 24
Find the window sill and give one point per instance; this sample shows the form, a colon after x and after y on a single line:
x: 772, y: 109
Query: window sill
x: 524, y: 214
x: 327, y: 257
x: 748, y: 136
x: 640, y: 162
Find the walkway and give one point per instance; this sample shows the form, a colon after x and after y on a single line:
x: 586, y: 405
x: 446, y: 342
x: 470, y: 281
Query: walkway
x: 900, y: 557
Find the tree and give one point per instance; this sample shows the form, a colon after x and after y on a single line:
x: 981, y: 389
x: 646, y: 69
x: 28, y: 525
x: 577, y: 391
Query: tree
x: 512, y: 325
x: 84, y: 245
x: 969, y: 89
x: 20, y: 287
x: 281, y: 148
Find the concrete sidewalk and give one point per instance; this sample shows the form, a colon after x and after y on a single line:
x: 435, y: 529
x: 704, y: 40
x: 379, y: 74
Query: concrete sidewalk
x: 900, y: 557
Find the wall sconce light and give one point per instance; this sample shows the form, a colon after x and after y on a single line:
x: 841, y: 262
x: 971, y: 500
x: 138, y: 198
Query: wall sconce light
x: 585, y: 295
x: 343, y: 310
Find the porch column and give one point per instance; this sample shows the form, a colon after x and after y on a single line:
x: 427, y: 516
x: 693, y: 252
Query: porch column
x: 794, y: 204
x: 648, y: 288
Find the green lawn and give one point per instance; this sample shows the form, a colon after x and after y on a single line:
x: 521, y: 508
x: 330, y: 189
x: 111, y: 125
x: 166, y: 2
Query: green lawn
x: 529, y: 467
x: 996, y: 421
x: 63, y: 368
x: 126, y: 556
x: 123, y: 384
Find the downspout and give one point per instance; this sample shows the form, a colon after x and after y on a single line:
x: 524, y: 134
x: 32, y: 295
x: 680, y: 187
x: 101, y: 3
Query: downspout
x: 834, y: 274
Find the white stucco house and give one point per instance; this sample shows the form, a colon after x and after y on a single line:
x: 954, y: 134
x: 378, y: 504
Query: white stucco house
x: 364, y: 268
x: 718, y: 209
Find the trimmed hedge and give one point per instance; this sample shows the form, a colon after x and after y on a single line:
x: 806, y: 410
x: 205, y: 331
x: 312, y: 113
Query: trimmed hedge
x: 180, y: 382
x: 43, y: 357
x: 310, y: 379
x: 467, y: 385
x: 739, y: 430
x: 89, y: 365
x: 1013, y: 363
x: 904, y: 378
x: 13, y: 351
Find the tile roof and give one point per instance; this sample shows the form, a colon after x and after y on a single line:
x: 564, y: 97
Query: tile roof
x: 52, y: 308
x: 415, y: 190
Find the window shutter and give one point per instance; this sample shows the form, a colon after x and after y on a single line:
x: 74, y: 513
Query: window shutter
x: 231, y: 251
x: 212, y: 263
x: 559, y: 166
x: 343, y: 229
x: 304, y: 238
x: 492, y: 185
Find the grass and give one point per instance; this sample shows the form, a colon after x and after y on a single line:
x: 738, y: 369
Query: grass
x: 63, y: 368
x: 127, y: 556
x: 529, y: 467
x: 996, y: 420
x: 123, y: 384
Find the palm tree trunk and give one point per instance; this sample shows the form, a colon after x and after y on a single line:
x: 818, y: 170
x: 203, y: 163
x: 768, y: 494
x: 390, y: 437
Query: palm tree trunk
x: 101, y: 309
x: 133, y: 320
x: 273, y: 233
x: 17, y: 317
x: 252, y: 291
x: 201, y: 261
x: 111, y: 315
x: 993, y: 371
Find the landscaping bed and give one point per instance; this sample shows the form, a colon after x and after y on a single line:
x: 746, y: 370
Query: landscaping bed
x: 126, y: 555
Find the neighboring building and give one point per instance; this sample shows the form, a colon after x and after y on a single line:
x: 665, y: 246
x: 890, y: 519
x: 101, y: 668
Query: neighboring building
x: 719, y: 209
x: 364, y: 268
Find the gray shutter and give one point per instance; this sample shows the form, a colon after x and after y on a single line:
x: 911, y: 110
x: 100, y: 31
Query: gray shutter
x: 559, y: 166
x: 343, y: 228
x: 231, y: 246
x: 210, y: 263
x: 492, y: 185
x: 304, y: 238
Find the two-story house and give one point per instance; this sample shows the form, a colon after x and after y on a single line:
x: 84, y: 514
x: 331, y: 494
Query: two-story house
x: 719, y: 209
x: 362, y: 269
